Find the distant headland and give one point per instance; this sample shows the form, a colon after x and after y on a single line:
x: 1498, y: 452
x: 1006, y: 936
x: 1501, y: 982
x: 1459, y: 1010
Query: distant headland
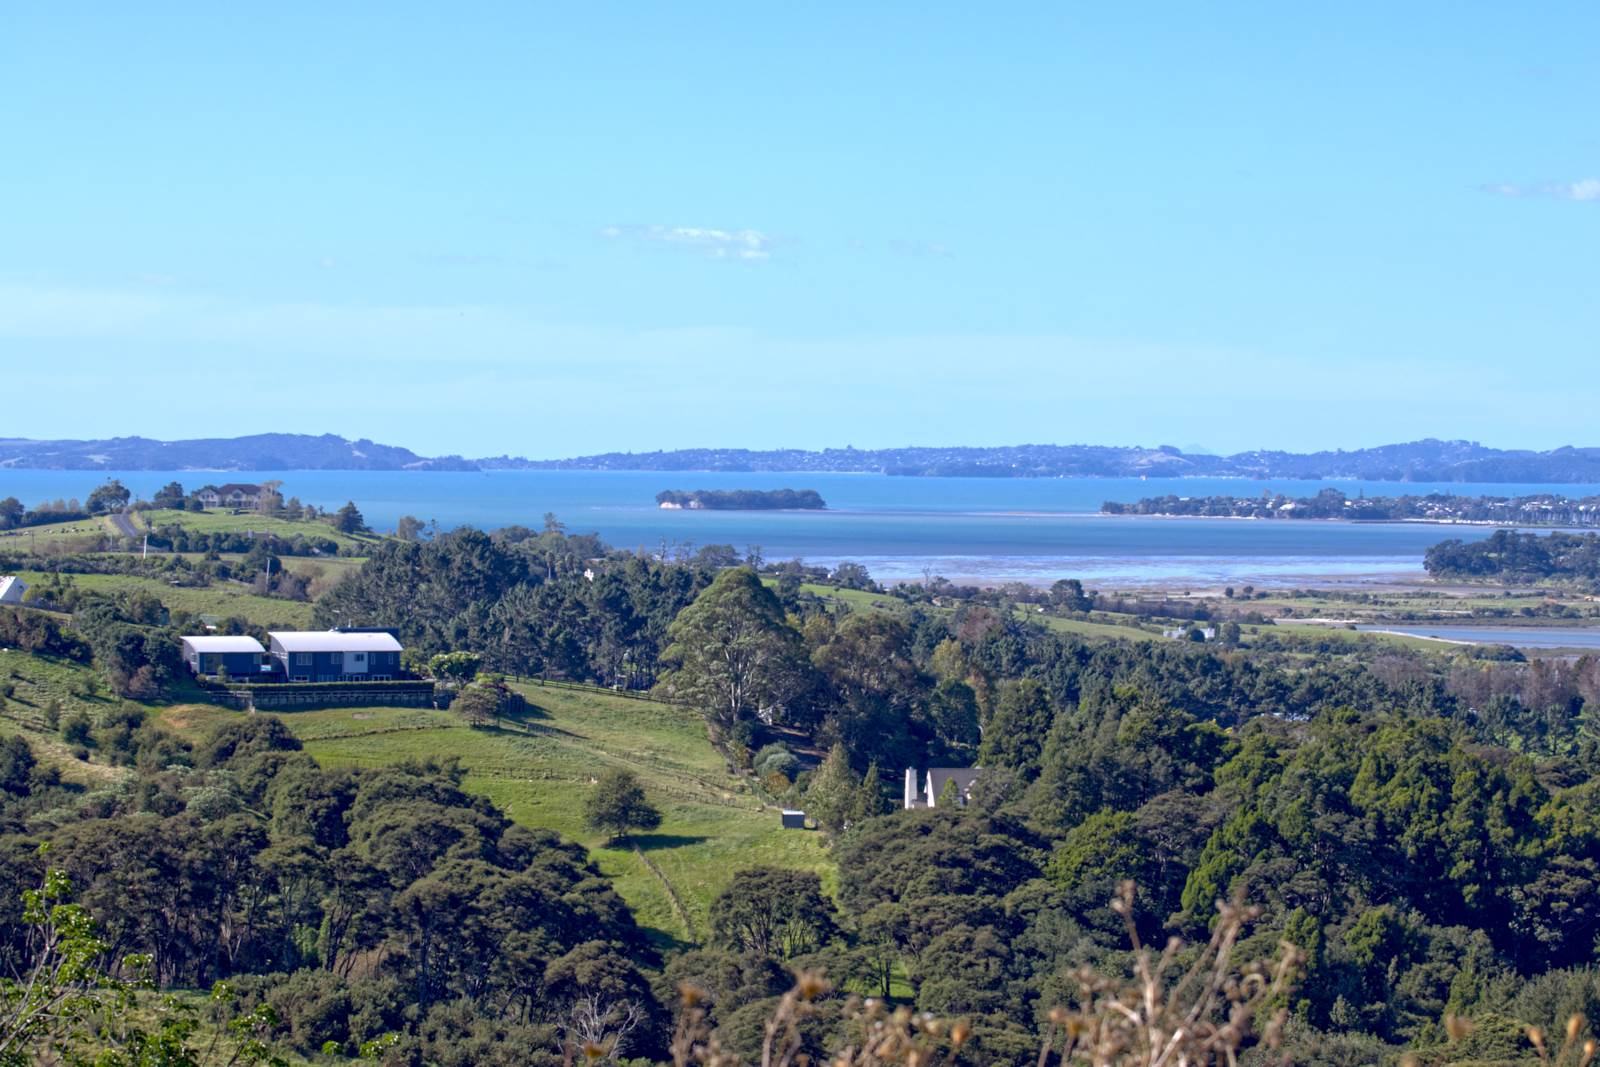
x: 1540, y: 509
x: 742, y: 499
x: 1418, y: 461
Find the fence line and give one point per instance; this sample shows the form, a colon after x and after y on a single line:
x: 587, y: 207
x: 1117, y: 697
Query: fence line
x: 583, y: 687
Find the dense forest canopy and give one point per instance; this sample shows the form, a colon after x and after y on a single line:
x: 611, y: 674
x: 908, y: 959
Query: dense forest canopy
x: 355, y: 903
x: 1513, y: 556
x: 1424, y: 827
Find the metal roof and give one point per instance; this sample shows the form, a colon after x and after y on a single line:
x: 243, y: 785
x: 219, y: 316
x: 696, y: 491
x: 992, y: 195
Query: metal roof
x: 215, y: 643
x: 333, y: 641
x: 962, y: 776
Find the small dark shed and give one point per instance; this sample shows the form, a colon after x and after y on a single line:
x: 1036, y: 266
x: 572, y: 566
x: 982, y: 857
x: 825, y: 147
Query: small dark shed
x: 794, y: 820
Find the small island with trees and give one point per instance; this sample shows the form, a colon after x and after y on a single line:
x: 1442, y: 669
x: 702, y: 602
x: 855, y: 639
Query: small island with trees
x: 742, y: 499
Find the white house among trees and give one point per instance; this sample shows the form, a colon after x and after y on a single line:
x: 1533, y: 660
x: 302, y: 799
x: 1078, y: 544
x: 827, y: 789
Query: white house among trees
x: 926, y: 792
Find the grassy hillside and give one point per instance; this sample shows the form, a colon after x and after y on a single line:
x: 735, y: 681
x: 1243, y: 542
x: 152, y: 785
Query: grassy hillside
x: 1084, y: 628
x: 539, y: 768
x: 81, y: 535
x: 219, y: 598
x: 91, y: 535
x: 853, y: 599
x: 226, y: 522
x: 34, y: 683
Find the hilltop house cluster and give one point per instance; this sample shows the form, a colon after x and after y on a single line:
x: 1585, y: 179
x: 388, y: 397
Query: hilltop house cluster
x: 233, y: 495
x: 339, y: 655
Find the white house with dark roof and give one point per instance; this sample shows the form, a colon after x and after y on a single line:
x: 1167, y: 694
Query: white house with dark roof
x: 232, y: 495
x: 924, y: 790
x: 11, y: 589
x: 335, y: 655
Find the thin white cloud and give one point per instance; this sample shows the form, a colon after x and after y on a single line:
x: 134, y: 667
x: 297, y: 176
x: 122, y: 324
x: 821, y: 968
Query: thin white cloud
x: 746, y: 245
x: 1582, y: 190
x: 920, y: 248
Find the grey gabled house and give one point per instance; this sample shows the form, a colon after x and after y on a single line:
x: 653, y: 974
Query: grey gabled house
x: 232, y: 495
x: 335, y: 655
x: 242, y: 657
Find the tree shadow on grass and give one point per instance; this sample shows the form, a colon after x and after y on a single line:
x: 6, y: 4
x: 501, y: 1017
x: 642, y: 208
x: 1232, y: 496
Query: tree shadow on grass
x: 512, y: 728
x: 652, y: 842
x: 529, y: 713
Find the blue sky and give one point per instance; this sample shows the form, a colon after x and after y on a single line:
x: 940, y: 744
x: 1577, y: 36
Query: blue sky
x: 556, y: 229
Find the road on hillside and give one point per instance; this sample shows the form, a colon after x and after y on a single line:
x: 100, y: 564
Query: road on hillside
x: 125, y: 525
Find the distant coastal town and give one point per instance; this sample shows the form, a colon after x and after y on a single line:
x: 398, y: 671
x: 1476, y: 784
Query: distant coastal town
x: 1542, y: 509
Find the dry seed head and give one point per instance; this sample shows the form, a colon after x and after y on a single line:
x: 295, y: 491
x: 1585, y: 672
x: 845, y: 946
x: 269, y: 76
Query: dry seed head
x: 1536, y: 1035
x: 1575, y: 1026
x: 811, y: 985
x: 691, y: 995
x: 959, y: 1032
x: 1457, y: 1028
x: 1274, y: 1030
x: 593, y: 1051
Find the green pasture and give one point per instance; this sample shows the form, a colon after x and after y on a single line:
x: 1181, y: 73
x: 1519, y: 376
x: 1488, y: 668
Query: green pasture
x: 37, y: 681
x: 538, y: 769
x: 80, y: 535
x: 219, y: 598
x: 244, y: 522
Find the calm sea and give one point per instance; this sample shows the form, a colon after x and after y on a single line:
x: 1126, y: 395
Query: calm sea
x: 1519, y: 636
x: 986, y: 529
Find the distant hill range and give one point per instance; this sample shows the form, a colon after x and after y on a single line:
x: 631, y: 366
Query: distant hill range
x: 259, y: 452
x: 1419, y: 461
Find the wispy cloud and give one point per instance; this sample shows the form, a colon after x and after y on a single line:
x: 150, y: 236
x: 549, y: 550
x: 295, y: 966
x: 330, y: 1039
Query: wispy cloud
x: 1584, y: 189
x: 934, y: 249
x: 751, y: 246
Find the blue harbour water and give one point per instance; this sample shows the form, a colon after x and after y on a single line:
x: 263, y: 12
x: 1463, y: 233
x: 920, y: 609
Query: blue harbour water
x: 1518, y: 636
x: 977, y: 529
